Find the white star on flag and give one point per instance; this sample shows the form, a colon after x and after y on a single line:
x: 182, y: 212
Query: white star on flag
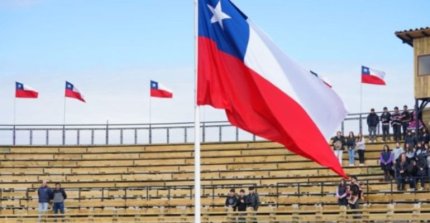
x: 218, y: 14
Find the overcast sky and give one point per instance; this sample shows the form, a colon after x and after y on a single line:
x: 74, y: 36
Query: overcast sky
x: 111, y: 49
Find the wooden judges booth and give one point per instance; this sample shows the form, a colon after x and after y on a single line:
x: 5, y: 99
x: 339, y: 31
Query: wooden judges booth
x: 419, y: 39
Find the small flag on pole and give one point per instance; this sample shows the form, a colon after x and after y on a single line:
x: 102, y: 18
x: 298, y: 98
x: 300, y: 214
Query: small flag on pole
x: 160, y: 91
x: 73, y: 92
x: 25, y: 91
x: 372, y: 76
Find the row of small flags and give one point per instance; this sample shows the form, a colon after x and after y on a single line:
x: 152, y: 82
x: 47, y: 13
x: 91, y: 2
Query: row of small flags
x: 25, y: 91
x: 368, y: 76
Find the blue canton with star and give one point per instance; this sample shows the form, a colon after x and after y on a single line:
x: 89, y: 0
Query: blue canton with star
x: 224, y: 23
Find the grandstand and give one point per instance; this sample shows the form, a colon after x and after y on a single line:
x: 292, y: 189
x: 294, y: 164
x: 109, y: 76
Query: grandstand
x: 154, y: 183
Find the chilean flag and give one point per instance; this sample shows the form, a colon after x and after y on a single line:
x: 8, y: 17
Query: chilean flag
x: 263, y: 91
x: 372, y: 76
x: 160, y: 91
x: 25, y: 91
x: 73, y: 92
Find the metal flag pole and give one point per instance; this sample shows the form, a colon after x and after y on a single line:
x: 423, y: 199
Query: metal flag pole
x: 361, y: 108
x: 197, y: 183
x: 64, y: 120
x: 14, y: 121
x: 150, y: 119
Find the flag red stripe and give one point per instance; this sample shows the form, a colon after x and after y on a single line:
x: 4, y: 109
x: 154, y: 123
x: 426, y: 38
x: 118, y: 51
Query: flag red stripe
x: 161, y: 93
x: 74, y: 94
x: 370, y: 79
x: 26, y: 94
x: 256, y: 105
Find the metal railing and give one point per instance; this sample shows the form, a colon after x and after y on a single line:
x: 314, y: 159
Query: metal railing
x: 134, y: 134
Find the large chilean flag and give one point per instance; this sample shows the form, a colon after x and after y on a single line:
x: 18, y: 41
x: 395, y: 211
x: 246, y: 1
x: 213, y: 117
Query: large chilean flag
x: 261, y: 89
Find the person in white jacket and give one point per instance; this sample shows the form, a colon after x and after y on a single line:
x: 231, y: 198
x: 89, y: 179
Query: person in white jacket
x: 361, y: 147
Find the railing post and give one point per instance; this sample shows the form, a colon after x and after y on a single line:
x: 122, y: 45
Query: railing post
x: 361, y: 124
x: 185, y: 134
x: 135, y: 136
x: 31, y: 137
x: 203, y: 131
x: 14, y: 135
x: 92, y: 136
x: 254, y: 137
x: 237, y: 134
x: 47, y: 137
x: 64, y: 134
x: 150, y: 134
x: 342, y: 127
x: 107, y: 133
x: 220, y: 133
x: 168, y: 135
x: 121, y: 136
x: 78, y: 136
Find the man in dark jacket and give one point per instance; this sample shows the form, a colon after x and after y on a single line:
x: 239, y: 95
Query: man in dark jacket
x: 372, y: 123
x: 421, y: 158
x: 252, y: 200
x: 397, y: 124
x: 58, y: 197
x: 385, y: 121
x: 405, y: 118
x: 410, y: 139
x: 231, y: 200
x: 44, y: 193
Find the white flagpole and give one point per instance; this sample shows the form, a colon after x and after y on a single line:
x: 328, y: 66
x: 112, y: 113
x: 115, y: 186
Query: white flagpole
x: 14, y: 121
x: 197, y: 183
x: 64, y: 120
x: 361, y: 108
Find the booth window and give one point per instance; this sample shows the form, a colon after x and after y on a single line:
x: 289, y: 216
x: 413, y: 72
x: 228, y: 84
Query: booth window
x: 424, y: 65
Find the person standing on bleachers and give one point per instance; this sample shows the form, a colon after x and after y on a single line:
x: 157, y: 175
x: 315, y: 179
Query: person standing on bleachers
x: 252, y: 199
x: 401, y: 171
x: 338, y: 143
x: 231, y: 200
x: 361, y: 148
x: 396, y: 124
x: 350, y: 144
x: 405, y: 118
x: 421, y: 159
x: 44, y: 193
x: 386, y: 162
x: 58, y: 197
x: 385, y: 121
x: 372, y: 123
x: 342, y: 193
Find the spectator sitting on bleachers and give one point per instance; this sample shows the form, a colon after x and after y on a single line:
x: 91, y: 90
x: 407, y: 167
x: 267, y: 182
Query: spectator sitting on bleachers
x: 410, y: 152
x: 372, y: 123
x: 231, y: 200
x: 424, y: 136
x: 386, y: 162
x: 426, y: 147
x: 421, y: 159
x: 350, y: 144
x: 397, y: 152
x: 396, y: 124
x: 361, y: 147
x: 410, y: 139
x: 241, y: 201
x: 342, y: 193
x: 401, y: 171
x: 385, y: 121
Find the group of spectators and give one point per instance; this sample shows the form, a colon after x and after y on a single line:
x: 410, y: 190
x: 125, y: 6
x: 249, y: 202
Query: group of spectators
x: 400, y: 122
x: 409, y: 164
x: 349, y: 193
x: 54, y: 196
x: 353, y: 144
x: 241, y: 201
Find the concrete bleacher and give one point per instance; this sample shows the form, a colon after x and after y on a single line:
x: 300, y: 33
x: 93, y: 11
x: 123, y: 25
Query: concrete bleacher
x: 154, y: 183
